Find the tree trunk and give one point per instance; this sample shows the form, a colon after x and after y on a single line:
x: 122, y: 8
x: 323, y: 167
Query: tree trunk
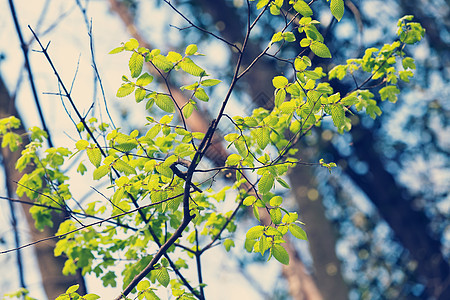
x: 395, y: 206
x: 50, y: 266
x: 321, y: 235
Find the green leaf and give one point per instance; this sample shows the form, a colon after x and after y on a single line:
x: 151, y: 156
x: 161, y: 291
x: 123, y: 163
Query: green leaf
x: 117, y: 50
x: 265, y: 184
x: 200, y: 94
x: 125, y: 89
x: 81, y: 168
x: 139, y: 94
x: 165, y: 103
x: 174, y: 57
x: 161, y: 62
x: 263, y: 137
x: 283, y: 183
x: 263, y: 245
x: 261, y: 4
x: 298, y: 232
x: 256, y: 213
x: 144, y: 79
x: 303, y: 8
x: 389, y: 92
x: 289, y: 36
x: 277, y: 37
x: 233, y: 159
x: 228, y: 243
x: 255, y: 232
x: 131, y: 44
x: 275, y: 215
x: 320, y: 49
x: 72, y: 289
x: 162, y: 275
x: 122, y: 166
x: 95, y: 156
x: 408, y: 63
x: 249, y: 200
x: 164, y: 170
x: 280, y: 254
x: 190, y: 67
x: 82, y: 144
x: 280, y: 82
x: 188, y: 109
x: 127, y: 146
x: 135, y: 64
x: 280, y: 96
x: 248, y: 245
x: 100, y: 172
x: 276, y: 201
x: 210, y: 82
x: 191, y: 49
x: 338, y: 114
x: 337, y: 8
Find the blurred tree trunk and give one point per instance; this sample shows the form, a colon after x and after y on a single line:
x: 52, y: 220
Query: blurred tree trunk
x: 54, y: 282
x: 395, y: 205
x: 322, y: 236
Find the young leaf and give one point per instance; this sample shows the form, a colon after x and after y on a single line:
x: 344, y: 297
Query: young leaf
x: 165, y: 103
x: 139, y: 95
x: 228, y: 243
x: 337, y: 8
x: 261, y: 4
x: 320, y: 49
x: 280, y: 82
x: 131, y: 44
x: 233, y: 159
x: 95, y: 156
x: 143, y: 285
x: 161, y: 62
x: 262, y: 137
x: 190, y: 67
x: 116, y: 50
x: 255, y: 232
x: 200, y: 94
x: 280, y: 254
x: 100, y: 172
x: 338, y: 114
x: 256, y: 213
x: 249, y: 200
x: 135, y: 64
x: 275, y: 215
x: 276, y: 201
x: 72, y: 289
x: 81, y: 144
x: 283, y: 183
x: 125, y: 89
x: 191, y: 49
x: 298, y: 232
x: 174, y: 57
x: 210, y: 82
x: 303, y: 8
x: 280, y: 95
x: 144, y: 79
x: 162, y: 276
x: 187, y: 110
x: 265, y: 184
x: 122, y: 166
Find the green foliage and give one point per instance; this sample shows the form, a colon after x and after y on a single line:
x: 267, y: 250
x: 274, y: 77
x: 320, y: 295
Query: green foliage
x: 151, y: 202
x: 71, y: 294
